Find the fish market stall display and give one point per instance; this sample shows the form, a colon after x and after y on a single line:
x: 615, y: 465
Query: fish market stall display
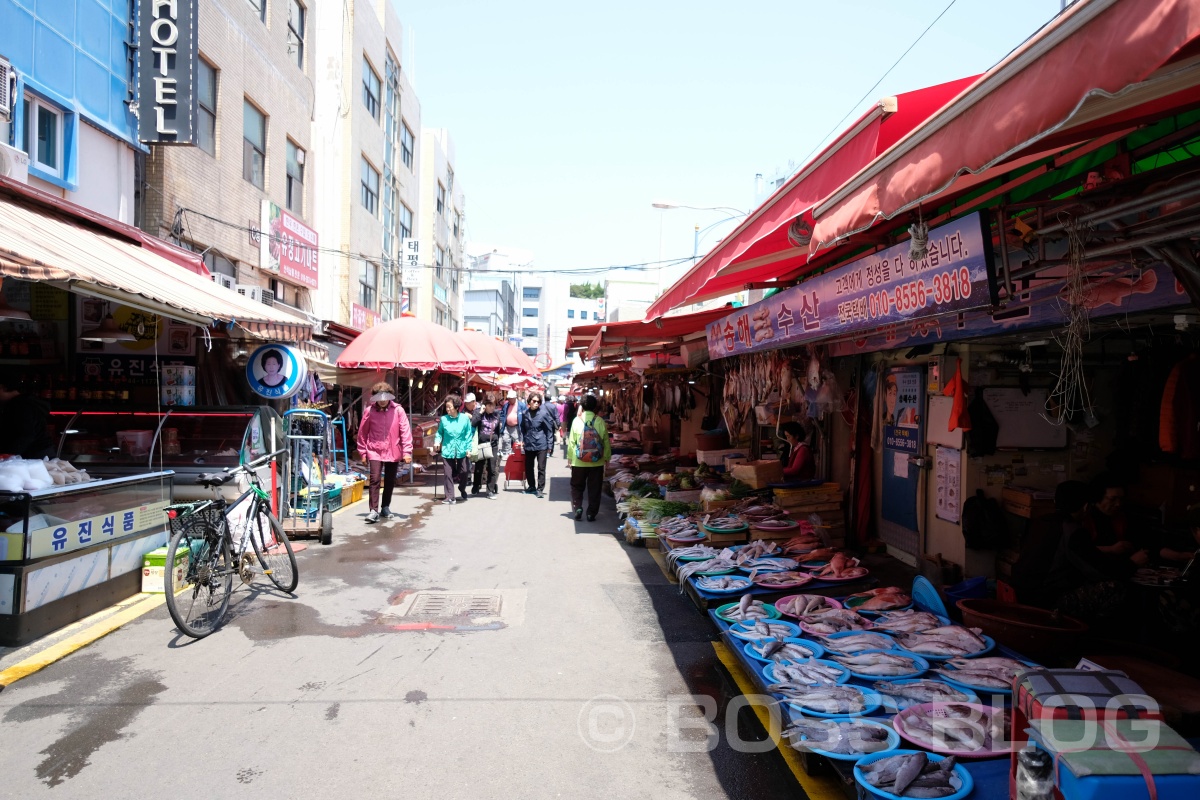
x: 913, y: 773
x: 842, y: 739
x: 747, y: 609
x: 961, y: 729
x: 885, y: 598
x: 990, y: 674
x: 768, y: 650
x: 900, y: 694
x: 882, y: 663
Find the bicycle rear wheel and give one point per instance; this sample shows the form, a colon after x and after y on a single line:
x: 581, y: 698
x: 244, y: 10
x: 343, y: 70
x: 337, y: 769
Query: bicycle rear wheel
x: 199, y: 602
x: 274, y: 550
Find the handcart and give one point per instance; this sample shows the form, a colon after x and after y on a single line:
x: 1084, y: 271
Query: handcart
x: 514, y: 467
x: 306, y: 508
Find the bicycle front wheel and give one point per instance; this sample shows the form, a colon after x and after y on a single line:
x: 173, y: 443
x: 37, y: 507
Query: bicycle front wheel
x: 274, y: 550
x: 199, y: 602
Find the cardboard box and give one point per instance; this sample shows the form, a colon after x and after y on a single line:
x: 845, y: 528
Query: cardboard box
x: 759, y: 474
x: 1026, y: 502
x: 733, y: 461
x: 716, y: 458
x: 154, y: 570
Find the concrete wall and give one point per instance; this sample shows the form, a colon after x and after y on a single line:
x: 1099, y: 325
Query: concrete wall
x: 253, y: 63
x: 439, y: 299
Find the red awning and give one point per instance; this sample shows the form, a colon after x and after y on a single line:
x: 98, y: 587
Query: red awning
x: 777, y: 226
x: 648, y: 335
x: 1099, y: 65
x: 579, y: 337
x: 493, y: 355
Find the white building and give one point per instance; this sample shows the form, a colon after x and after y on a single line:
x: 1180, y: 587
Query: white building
x: 626, y: 300
x: 365, y: 124
x: 441, y: 229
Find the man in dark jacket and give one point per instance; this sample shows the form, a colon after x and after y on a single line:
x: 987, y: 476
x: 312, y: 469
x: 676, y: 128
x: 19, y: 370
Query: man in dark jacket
x: 488, y: 425
x: 537, y: 432
x: 25, y: 416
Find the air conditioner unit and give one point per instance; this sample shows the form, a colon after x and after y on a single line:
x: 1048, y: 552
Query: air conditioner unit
x: 14, y: 164
x: 6, y: 87
x: 264, y: 296
x: 224, y: 280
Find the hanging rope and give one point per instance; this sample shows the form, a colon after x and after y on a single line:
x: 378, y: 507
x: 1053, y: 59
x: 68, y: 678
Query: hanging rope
x: 918, y: 245
x: 1070, y: 392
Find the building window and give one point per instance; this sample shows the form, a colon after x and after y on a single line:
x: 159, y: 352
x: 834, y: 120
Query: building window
x: 405, y: 222
x: 295, y: 34
x: 254, y: 145
x: 441, y: 200
x: 439, y: 261
x: 529, y: 312
x: 407, y: 145
x: 583, y: 314
x: 44, y: 136
x: 529, y: 333
x: 371, y: 87
x: 295, y: 179
x: 529, y: 351
x: 370, y: 187
x: 368, y: 280
x: 595, y: 316
x: 531, y: 292
x: 260, y: 8
x: 457, y: 224
x: 391, y: 198
x: 450, y: 180
x: 570, y: 313
x: 206, y: 91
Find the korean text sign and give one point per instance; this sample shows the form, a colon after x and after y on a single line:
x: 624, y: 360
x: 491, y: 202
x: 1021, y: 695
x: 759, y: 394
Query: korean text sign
x: 78, y: 534
x: 885, y: 287
x: 288, y: 246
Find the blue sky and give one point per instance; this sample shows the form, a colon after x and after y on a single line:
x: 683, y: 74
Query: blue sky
x: 570, y: 119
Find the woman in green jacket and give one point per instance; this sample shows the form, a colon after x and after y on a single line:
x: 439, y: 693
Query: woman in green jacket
x: 589, y: 449
x: 454, y: 437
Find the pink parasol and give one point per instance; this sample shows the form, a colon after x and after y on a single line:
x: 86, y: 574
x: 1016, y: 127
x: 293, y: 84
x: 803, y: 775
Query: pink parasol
x: 408, y: 343
x: 493, y: 355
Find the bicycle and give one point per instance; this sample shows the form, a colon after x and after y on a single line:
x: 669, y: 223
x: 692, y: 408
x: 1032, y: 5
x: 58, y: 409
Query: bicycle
x: 198, y: 604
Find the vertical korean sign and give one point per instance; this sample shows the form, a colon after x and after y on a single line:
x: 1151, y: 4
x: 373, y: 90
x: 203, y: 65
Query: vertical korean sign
x: 411, y: 263
x: 167, y: 38
x: 903, y: 418
x: 288, y: 247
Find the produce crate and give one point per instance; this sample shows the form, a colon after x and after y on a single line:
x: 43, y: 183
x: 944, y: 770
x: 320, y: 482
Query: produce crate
x: 356, y: 491
x: 347, y: 494
x: 759, y: 474
x: 724, y: 539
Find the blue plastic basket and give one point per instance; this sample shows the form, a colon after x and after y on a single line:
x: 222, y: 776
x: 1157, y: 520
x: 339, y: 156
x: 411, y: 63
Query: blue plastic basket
x: 971, y: 588
x: 926, y: 598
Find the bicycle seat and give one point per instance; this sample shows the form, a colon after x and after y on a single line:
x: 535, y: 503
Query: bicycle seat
x: 212, y: 479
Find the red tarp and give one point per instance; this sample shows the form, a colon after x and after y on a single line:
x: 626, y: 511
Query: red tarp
x: 1068, y: 83
x: 747, y: 255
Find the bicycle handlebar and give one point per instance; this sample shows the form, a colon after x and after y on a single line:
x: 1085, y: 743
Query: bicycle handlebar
x: 257, y: 462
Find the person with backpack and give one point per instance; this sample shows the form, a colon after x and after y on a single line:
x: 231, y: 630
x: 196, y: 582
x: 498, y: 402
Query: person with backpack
x: 589, y: 449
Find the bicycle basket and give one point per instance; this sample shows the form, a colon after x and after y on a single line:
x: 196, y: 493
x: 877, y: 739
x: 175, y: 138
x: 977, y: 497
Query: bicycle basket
x: 198, y: 523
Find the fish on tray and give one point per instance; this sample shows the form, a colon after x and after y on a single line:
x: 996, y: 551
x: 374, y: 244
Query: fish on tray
x: 711, y: 565
x: 779, y: 650
x: 922, y: 691
x: 764, y: 563
x: 910, y: 621
x: 806, y: 672
x: 756, y: 549
x: 829, y: 699
x: 995, y: 672
x: 780, y: 579
x: 803, y: 543
x: 695, y: 551
x: 834, y: 620
x: 841, y: 567
x: 878, y: 664
x: 957, y: 727
x: 725, y: 583
x: 820, y: 554
x: 883, y: 599
x: 803, y: 604
x: 856, y: 643
x: 843, y: 737
x: 911, y: 775
x: 948, y: 640
x: 762, y: 629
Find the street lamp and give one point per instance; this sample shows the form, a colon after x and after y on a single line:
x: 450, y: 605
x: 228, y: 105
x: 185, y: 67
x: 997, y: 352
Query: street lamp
x: 667, y: 205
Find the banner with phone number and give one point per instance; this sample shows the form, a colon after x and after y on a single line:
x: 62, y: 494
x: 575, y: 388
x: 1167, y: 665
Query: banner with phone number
x: 883, y: 287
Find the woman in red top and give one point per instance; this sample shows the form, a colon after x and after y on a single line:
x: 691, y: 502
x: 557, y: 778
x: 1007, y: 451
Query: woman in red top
x: 800, y: 464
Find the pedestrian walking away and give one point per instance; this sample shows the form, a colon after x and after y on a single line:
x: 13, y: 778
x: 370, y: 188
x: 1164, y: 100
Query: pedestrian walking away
x: 566, y: 418
x: 384, y: 440
x: 486, y: 422
x: 453, y: 441
x: 589, y: 449
x: 510, y: 415
x: 537, y: 433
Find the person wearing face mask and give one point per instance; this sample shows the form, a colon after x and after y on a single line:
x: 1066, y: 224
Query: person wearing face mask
x: 384, y: 439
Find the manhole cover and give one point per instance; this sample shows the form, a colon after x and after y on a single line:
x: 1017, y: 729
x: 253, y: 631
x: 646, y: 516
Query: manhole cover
x: 451, y: 604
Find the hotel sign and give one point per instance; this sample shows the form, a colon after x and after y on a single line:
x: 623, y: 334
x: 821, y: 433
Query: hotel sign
x: 167, y: 40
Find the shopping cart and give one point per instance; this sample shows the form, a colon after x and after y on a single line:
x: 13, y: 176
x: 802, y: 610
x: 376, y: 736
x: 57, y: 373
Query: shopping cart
x: 514, y: 468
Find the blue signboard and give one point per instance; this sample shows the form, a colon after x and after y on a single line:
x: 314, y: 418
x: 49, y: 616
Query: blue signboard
x: 885, y: 287
x: 276, y: 371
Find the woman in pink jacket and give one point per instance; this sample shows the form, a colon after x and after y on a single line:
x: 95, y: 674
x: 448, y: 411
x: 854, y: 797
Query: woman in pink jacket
x: 384, y: 438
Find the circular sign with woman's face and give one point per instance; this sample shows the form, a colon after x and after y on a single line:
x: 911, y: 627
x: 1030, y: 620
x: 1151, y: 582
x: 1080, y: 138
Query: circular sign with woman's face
x: 276, y: 371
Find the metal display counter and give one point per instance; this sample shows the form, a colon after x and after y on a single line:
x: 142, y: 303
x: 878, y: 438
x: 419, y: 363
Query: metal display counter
x: 70, y: 551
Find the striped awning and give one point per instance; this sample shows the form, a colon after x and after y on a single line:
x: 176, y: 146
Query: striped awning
x: 50, y: 246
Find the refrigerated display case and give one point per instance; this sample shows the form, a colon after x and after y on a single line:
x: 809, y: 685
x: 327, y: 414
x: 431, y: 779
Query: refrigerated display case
x: 186, y: 440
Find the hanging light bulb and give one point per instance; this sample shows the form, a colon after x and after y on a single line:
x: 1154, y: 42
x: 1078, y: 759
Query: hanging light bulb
x: 420, y: 384
x: 435, y: 387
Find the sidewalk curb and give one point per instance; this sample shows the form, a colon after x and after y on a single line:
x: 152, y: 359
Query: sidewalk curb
x: 76, y: 641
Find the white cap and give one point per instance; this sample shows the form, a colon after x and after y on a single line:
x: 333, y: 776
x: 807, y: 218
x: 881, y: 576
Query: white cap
x: 512, y: 393
x: 470, y: 398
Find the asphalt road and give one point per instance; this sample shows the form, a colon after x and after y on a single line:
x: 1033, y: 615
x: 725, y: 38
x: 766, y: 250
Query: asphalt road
x: 573, y: 675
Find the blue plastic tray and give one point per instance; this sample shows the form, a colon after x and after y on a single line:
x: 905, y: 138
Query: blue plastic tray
x: 870, y: 701
x: 772, y: 677
x: 893, y: 741
x: 968, y: 783
x: 817, y: 650
x: 921, y: 663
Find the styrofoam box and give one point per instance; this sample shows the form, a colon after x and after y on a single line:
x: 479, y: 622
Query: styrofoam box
x: 716, y: 458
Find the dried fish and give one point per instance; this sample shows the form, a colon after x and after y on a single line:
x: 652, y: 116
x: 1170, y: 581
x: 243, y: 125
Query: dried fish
x: 833, y: 699
x: 780, y: 650
x: 806, y: 672
x: 726, y: 583
x: 856, y: 643
x: 921, y: 691
x: 762, y: 630
x: 879, y: 663
x: 947, y: 640
x: 912, y: 775
x: 833, y: 620
x: 910, y: 621
x: 956, y: 727
x: 844, y: 737
x: 801, y: 605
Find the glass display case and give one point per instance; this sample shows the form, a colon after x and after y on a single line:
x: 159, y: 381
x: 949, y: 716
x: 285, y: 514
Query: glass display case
x: 187, y: 440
